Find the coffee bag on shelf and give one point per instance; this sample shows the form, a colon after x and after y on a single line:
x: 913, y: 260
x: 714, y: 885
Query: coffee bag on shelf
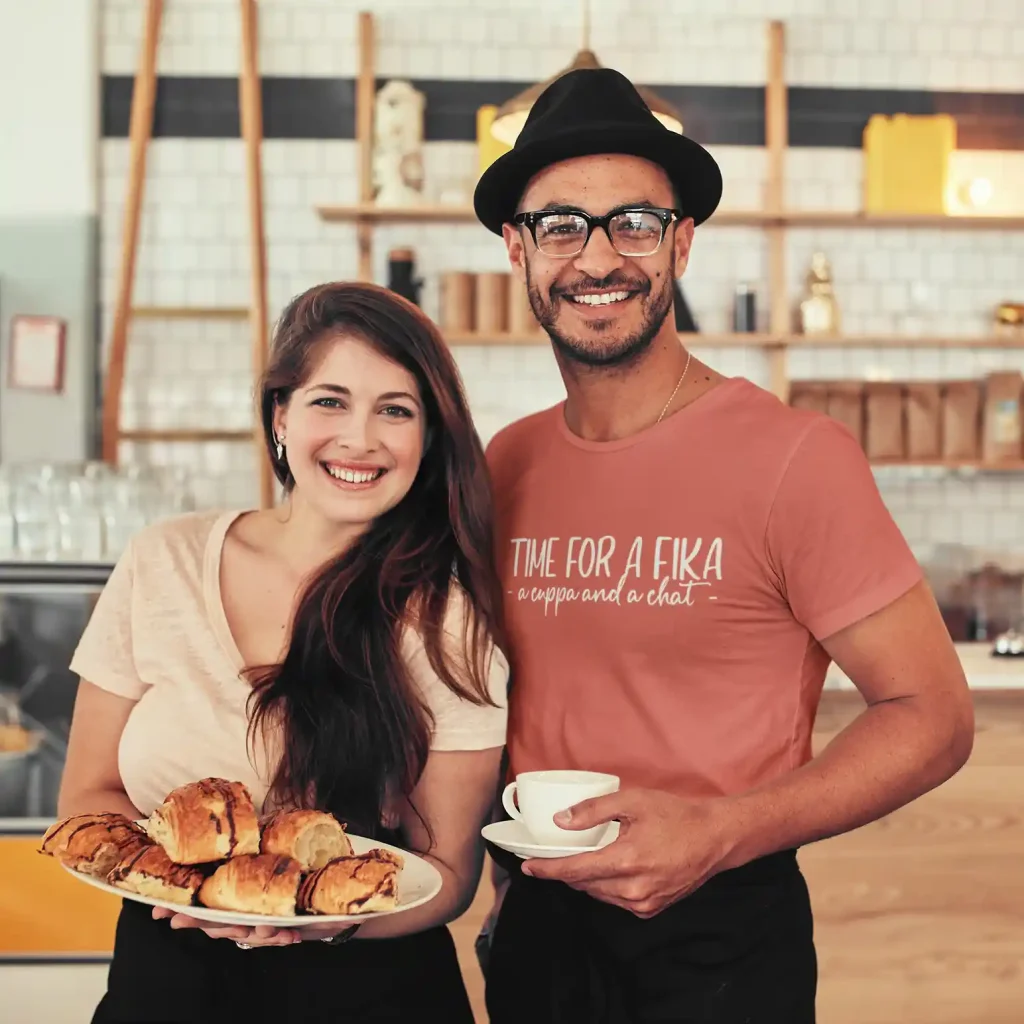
x: 923, y: 407
x: 885, y: 426
x: 1003, y: 433
x: 961, y: 420
x: 809, y: 394
x: 846, y: 404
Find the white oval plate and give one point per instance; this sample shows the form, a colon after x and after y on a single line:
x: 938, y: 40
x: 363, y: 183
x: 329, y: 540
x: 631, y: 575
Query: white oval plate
x: 511, y: 835
x: 418, y: 883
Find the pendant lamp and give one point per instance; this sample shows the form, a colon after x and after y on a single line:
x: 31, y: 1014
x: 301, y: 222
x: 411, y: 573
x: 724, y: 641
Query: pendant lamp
x: 511, y: 115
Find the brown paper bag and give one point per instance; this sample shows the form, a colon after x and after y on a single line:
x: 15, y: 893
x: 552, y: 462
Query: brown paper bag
x: 961, y: 419
x: 885, y: 434
x: 846, y: 404
x: 809, y: 394
x: 1003, y: 426
x: 923, y: 405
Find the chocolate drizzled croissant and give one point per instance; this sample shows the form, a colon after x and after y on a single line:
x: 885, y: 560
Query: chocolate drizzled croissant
x: 150, y: 872
x: 261, y: 883
x: 363, y: 884
x: 311, y: 837
x: 93, y: 843
x: 206, y: 821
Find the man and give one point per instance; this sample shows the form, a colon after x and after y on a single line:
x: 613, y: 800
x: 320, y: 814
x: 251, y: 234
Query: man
x: 683, y: 555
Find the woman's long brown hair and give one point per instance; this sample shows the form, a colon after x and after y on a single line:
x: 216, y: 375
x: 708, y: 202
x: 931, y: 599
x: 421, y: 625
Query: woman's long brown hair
x: 354, y: 729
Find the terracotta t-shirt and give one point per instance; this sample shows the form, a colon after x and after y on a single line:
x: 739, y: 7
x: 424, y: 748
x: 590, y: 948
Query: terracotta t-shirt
x: 159, y: 636
x: 667, y: 593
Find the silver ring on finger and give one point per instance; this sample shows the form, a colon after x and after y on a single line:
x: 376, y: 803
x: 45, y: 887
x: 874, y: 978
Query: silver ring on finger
x: 243, y: 945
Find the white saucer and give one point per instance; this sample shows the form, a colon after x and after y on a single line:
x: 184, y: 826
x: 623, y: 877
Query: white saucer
x: 512, y: 836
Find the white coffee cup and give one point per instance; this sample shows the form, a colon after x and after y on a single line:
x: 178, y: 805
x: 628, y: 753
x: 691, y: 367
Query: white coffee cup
x: 541, y: 795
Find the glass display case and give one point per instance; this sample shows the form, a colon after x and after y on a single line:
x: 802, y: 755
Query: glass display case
x: 44, y: 608
x: 43, y: 611
x: 62, y: 528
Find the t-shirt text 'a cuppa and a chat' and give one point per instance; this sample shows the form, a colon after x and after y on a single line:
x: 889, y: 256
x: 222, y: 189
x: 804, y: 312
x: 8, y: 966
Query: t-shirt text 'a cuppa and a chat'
x: 655, y: 571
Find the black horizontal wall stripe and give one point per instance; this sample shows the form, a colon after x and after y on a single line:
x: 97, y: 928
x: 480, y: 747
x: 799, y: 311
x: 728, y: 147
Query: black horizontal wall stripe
x: 208, y: 108
x: 719, y: 115
x: 309, y: 108
x: 838, y: 117
x: 193, y: 108
x: 324, y: 108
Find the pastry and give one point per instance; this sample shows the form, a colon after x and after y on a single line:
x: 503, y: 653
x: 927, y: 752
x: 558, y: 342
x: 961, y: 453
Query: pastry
x: 353, y: 885
x: 311, y: 837
x: 206, y: 821
x: 150, y: 872
x: 261, y: 883
x: 93, y: 843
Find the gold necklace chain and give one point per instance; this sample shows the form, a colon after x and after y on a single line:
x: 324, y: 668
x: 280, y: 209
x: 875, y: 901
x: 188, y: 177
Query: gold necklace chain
x: 675, y: 389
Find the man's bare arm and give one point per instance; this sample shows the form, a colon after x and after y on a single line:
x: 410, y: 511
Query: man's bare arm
x: 916, y: 732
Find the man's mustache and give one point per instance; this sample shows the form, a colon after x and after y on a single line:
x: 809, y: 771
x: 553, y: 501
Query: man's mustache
x: 612, y: 281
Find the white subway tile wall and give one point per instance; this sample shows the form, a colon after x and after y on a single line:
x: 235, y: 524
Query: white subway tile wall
x: 194, y: 245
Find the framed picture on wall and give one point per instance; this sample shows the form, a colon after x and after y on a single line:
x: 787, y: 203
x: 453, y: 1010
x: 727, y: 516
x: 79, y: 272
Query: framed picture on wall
x: 36, y: 354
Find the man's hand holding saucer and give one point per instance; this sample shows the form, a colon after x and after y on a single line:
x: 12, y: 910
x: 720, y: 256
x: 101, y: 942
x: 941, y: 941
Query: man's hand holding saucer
x: 666, y: 848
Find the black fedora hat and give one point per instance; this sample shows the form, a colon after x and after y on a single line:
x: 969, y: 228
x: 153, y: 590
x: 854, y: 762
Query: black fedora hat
x: 586, y: 112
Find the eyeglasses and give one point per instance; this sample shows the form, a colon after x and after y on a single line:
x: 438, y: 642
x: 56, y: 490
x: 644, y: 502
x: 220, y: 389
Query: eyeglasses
x: 632, y: 230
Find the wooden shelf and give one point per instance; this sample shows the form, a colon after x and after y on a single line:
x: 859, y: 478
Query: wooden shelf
x: 851, y: 219
x: 187, y: 436
x: 430, y: 214
x: 1010, y: 341
x: 903, y: 341
x: 456, y: 338
x: 540, y: 338
x: 397, y: 214
x: 190, y: 313
x: 769, y: 341
x: 369, y: 213
x: 697, y: 340
x: 1013, y: 466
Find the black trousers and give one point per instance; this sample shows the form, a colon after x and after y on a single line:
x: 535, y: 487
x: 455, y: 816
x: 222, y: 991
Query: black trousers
x: 160, y: 976
x: 739, y: 950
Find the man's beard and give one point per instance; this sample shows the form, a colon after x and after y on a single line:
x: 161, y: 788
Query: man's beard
x: 606, y: 350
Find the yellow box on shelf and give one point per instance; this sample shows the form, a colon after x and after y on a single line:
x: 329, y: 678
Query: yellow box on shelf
x: 906, y: 162
x: 488, y: 147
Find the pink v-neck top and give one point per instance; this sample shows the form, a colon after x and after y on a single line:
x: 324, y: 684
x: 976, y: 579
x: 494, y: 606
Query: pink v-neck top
x: 159, y: 636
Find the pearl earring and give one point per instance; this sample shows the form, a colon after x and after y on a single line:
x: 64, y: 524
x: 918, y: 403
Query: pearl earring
x: 280, y: 450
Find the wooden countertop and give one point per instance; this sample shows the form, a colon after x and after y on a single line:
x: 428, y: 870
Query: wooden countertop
x: 918, y: 915
x: 982, y: 670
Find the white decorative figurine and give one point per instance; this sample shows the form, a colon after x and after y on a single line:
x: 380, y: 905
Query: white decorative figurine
x: 398, y: 145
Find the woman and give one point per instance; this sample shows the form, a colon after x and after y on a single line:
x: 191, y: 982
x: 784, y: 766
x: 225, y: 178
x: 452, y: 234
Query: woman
x: 340, y: 651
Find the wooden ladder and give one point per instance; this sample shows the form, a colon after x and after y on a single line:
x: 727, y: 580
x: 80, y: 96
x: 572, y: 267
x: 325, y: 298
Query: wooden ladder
x: 143, y: 100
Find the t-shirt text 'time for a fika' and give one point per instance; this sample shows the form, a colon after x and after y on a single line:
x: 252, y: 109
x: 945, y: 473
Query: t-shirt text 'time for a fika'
x: 667, y: 594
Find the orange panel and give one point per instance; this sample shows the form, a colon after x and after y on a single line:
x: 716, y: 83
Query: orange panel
x: 44, y: 910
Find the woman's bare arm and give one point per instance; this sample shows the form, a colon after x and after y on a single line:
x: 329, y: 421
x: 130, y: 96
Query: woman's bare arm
x: 454, y: 797
x: 91, y: 781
